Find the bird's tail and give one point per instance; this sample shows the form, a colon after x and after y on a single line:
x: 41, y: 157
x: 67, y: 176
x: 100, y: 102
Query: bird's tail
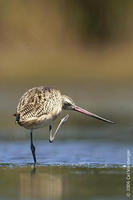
x: 17, y: 117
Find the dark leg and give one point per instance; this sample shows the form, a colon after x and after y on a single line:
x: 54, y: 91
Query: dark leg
x: 50, y: 133
x: 32, y: 148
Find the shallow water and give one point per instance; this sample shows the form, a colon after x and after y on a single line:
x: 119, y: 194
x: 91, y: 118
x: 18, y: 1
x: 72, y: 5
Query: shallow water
x: 68, y: 153
x: 54, y: 182
x: 65, y: 170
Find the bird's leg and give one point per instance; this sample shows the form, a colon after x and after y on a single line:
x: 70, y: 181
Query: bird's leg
x: 51, y: 137
x: 32, y: 148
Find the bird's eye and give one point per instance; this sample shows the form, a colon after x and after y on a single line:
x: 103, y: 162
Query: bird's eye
x: 67, y: 104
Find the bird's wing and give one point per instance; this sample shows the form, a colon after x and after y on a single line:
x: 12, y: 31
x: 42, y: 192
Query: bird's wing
x: 38, y: 101
x: 32, y: 110
x: 31, y: 105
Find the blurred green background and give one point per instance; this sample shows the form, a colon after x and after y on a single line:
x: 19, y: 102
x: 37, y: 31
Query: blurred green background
x: 83, y: 48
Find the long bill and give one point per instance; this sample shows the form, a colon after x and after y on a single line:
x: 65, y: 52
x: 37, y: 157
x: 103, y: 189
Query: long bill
x: 81, y: 110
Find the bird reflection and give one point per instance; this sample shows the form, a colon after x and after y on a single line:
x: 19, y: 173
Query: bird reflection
x: 33, y: 171
x: 40, y: 185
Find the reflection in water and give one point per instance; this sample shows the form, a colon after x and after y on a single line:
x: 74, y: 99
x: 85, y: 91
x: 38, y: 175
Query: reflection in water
x: 60, y: 182
x: 40, y: 185
x: 67, y: 170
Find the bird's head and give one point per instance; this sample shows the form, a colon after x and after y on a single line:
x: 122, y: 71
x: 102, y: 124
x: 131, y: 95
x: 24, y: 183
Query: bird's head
x: 68, y: 104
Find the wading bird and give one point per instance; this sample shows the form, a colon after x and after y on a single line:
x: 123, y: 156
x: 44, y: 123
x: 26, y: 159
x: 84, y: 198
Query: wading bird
x: 40, y: 106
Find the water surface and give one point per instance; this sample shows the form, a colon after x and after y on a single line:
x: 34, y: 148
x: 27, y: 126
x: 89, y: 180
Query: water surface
x: 68, y: 153
x: 54, y: 182
x: 65, y: 170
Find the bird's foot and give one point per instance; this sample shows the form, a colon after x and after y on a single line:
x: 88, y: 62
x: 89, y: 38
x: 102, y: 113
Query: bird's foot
x: 50, y: 140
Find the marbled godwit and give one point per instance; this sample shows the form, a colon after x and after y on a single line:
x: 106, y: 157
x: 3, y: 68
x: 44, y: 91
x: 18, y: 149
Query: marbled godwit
x: 40, y: 106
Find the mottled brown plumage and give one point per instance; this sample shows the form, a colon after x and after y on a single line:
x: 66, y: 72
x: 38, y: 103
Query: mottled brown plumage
x: 40, y: 106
